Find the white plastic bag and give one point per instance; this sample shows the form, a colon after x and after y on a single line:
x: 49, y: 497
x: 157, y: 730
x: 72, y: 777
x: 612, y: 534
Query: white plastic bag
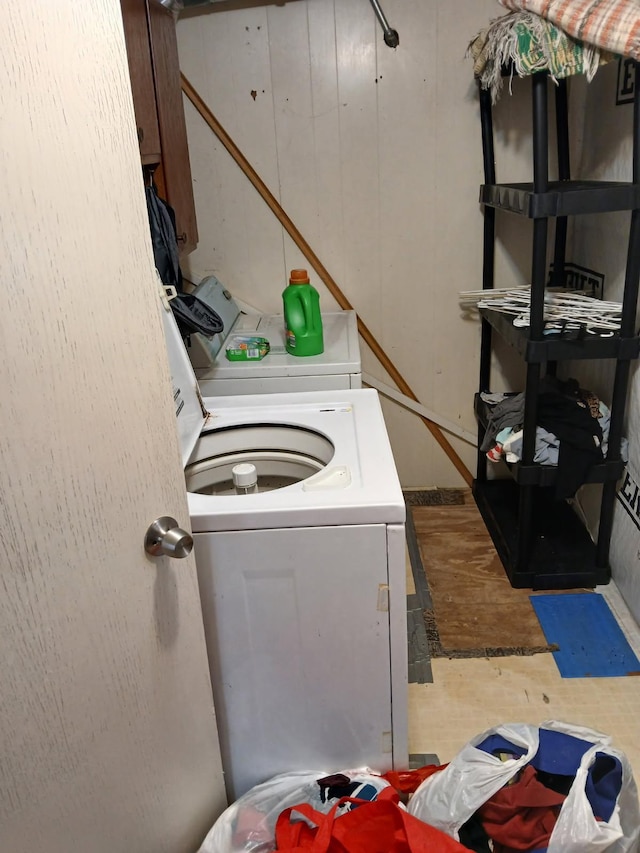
x: 248, y: 825
x: 450, y: 797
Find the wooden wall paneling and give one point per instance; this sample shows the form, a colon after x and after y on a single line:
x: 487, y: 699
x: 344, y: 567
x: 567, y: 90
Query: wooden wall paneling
x: 406, y: 93
x: 606, y: 154
x: 224, y: 85
x: 604, y: 143
x: 356, y: 35
x: 457, y: 251
x: 136, y: 33
x: 176, y: 168
x: 264, y: 276
x: 458, y: 255
x: 293, y: 119
x: 381, y: 177
x: 513, y: 150
x: 329, y: 213
x: 226, y: 57
x: 206, y: 154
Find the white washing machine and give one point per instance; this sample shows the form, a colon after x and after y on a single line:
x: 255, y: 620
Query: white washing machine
x: 339, y: 366
x: 302, y: 583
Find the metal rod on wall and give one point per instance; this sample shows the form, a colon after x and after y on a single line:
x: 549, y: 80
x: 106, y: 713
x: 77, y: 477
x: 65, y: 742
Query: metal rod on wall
x: 391, y: 37
x: 319, y: 268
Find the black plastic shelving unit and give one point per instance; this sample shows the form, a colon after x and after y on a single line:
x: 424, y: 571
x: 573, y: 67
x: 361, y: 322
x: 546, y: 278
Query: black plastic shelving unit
x: 541, y: 542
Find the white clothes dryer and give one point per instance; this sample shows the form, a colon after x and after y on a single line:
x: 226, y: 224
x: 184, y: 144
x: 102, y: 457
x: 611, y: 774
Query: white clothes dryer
x: 302, y: 582
x: 339, y: 366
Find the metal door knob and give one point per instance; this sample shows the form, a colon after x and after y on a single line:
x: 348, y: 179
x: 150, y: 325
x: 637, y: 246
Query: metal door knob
x: 165, y: 539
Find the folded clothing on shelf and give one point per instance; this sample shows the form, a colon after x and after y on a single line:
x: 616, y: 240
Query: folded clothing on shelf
x: 611, y: 25
x: 572, y: 431
x: 529, y: 43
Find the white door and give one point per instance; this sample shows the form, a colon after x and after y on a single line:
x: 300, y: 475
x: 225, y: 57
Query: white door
x: 108, y: 739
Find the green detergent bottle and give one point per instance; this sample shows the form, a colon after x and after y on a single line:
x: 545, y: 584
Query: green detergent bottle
x: 302, y: 318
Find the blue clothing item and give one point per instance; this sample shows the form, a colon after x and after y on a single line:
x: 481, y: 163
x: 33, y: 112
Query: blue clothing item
x: 547, y: 447
x: 504, y: 434
x: 560, y: 754
x: 603, y: 785
x: 496, y: 743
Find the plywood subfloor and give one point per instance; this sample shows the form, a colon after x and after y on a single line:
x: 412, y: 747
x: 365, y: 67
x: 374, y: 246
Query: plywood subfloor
x: 475, y: 608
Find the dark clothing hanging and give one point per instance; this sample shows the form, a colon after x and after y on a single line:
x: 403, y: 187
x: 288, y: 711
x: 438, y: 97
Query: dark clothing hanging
x: 580, y: 436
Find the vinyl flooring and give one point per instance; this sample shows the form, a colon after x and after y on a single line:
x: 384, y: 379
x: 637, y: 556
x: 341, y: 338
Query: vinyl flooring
x: 467, y: 696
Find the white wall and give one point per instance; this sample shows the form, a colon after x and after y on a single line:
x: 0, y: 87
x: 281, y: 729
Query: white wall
x: 600, y: 243
x: 375, y: 155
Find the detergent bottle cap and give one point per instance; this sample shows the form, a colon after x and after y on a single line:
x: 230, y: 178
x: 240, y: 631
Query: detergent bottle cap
x: 299, y: 277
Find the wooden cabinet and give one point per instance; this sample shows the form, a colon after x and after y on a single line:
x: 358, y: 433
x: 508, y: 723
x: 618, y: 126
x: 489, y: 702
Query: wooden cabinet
x: 152, y: 52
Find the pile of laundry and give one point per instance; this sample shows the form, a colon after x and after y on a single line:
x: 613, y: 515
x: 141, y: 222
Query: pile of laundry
x: 557, y: 787
x: 559, y: 36
x: 572, y: 431
x: 348, y: 811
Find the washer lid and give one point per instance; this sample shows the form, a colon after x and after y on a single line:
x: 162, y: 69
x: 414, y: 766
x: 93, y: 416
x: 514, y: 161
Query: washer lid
x: 362, y: 486
x: 190, y: 411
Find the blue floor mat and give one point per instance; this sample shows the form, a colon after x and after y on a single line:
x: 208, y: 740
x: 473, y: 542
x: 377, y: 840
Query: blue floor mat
x: 591, y: 643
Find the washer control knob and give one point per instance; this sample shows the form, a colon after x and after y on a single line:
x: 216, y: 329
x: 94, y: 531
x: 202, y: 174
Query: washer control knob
x: 165, y: 539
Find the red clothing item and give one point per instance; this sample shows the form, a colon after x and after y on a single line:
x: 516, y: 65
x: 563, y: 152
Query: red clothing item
x: 378, y: 826
x: 407, y: 781
x: 521, y: 816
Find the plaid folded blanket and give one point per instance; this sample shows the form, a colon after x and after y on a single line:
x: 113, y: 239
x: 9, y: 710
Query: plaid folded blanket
x: 612, y: 25
x: 529, y: 43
